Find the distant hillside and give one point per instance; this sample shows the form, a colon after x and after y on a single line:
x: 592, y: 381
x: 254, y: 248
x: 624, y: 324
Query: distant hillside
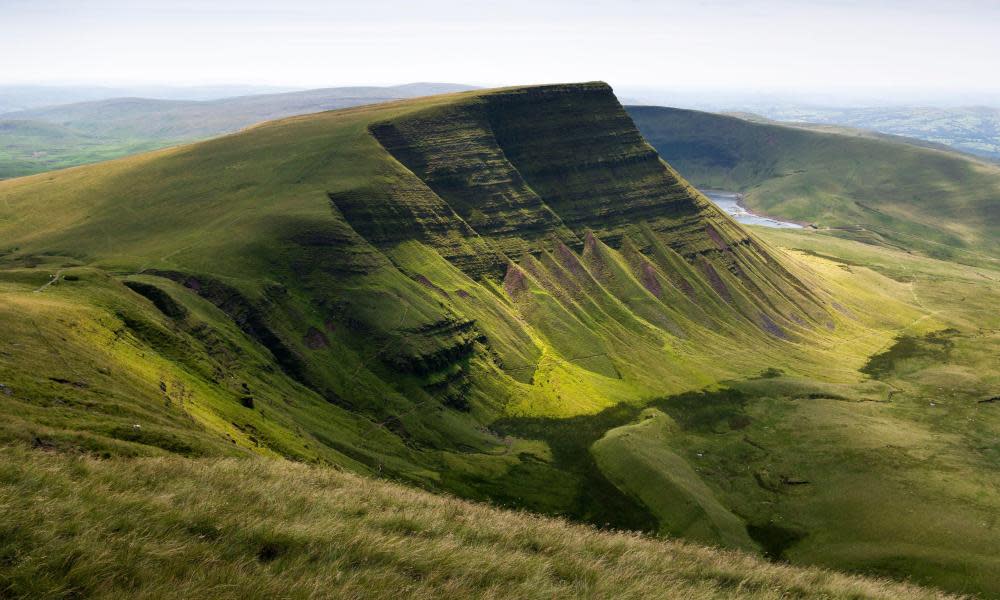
x: 91, y: 131
x: 16, y: 97
x: 32, y: 146
x: 868, y: 188
x: 974, y: 129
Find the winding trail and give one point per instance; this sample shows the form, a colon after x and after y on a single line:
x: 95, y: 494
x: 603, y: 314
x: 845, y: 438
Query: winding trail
x: 54, y: 279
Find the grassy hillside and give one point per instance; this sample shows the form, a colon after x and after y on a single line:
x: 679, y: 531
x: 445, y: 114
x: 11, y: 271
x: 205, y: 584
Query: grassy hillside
x: 55, y: 137
x: 173, y: 527
x: 878, y: 191
x: 508, y: 296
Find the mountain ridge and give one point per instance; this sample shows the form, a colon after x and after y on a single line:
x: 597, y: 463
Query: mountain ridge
x: 354, y: 288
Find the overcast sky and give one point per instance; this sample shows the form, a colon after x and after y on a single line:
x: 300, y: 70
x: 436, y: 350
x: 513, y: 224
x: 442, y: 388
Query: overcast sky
x: 763, y: 45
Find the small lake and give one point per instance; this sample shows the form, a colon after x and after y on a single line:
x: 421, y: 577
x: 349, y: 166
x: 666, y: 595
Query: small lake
x: 730, y: 202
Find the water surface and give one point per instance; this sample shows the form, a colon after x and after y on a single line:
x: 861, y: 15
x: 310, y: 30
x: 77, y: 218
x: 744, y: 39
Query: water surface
x: 731, y: 203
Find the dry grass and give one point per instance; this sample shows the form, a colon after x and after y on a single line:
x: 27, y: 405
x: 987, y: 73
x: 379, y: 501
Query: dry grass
x: 236, y: 528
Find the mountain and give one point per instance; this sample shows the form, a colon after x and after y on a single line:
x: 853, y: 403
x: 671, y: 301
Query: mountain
x: 15, y: 97
x: 862, y: 186
x: 108, y: 128
x: 504, y: 295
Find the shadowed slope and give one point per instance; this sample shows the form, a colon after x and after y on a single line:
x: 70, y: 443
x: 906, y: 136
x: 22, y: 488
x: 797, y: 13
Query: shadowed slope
x: 877, y: 191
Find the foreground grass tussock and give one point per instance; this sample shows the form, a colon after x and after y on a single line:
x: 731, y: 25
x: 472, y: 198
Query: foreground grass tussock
x: 237, y: 528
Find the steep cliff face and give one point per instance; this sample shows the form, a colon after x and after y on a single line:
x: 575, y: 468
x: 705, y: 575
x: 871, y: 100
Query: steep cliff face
x: 563, y: 170
x: 532, y: 167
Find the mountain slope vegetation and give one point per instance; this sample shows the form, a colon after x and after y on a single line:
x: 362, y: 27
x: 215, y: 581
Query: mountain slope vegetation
x: 174, y: 527
x: 505, y: 295
x: 874, y: 190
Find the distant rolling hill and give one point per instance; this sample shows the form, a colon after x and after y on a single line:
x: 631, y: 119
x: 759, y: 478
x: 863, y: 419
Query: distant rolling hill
x: 972, y: 129
x: 17, y: 97
x: 42, y: 139
x: 864, y: 186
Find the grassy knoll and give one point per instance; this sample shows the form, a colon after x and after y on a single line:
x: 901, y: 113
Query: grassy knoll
x: 636, y: 458
x: 175, y: 527
x: 878, y: 191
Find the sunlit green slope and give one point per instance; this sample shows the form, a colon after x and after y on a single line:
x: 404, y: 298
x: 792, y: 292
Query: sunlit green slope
x: 479, y: 293
x: 371, y: 287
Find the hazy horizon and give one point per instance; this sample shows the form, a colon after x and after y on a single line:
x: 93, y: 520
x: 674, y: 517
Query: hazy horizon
x: 826, y: 48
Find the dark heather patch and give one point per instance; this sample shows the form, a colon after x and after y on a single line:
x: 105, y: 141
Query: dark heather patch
x: 714, y: 234
x: 77, y: 384
x: 422, y: 280
x: 570, y: 261
x: 515, y: 282
x: 842, y: 309
x: 683, y: 285
x: 650, y: 281
x: 770, y: 373
x: 768, y: 325
x: 715, y: 280
x: 314, y: 339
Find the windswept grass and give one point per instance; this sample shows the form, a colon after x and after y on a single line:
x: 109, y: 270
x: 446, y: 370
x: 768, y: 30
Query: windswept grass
x: 75, y: 527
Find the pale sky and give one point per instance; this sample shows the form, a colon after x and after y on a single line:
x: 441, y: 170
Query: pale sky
x: 764, y: 45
